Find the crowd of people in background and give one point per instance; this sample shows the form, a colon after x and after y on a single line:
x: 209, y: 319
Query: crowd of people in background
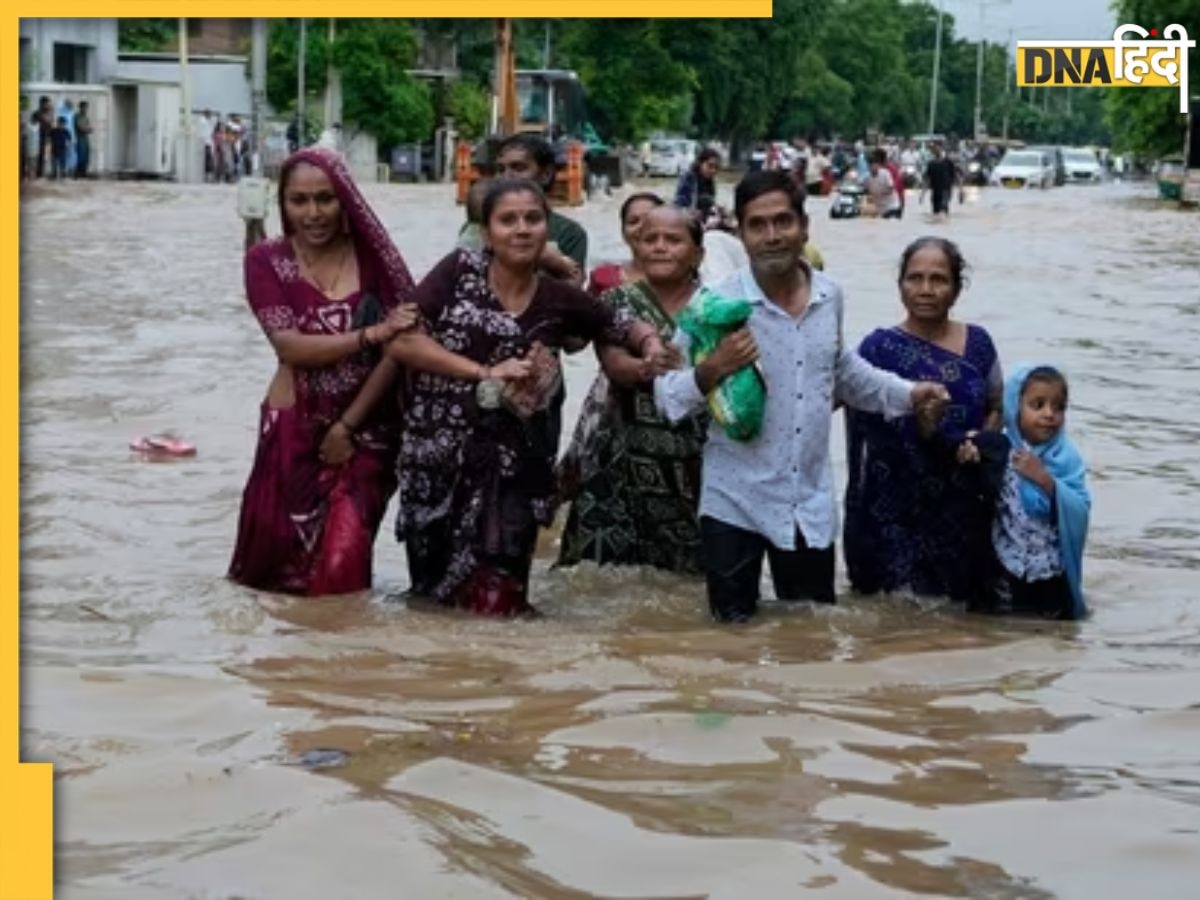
x: 57, y: 142
x: 228, y: 146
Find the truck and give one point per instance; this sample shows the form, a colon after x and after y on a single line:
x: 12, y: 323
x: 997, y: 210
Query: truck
x: 553, y: 103
x: 546, y: 102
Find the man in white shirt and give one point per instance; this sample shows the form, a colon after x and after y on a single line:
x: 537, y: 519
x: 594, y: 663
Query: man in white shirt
x: 205, y: 122
x: 881, y: 187
x: 773, y: 495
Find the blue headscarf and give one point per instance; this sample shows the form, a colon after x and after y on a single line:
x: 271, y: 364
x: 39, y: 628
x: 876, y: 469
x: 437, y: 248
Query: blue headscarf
x: 1072, y: 502
x: 67, y: 111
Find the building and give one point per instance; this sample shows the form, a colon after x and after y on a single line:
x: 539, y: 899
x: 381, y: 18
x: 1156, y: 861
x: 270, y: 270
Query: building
x: 219, y: 37
x: 68, y: 51
x: 135, y: 99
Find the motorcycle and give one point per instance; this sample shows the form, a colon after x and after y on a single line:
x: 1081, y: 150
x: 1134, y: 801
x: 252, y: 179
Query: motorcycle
x: 977, y: 173
x: 911, y: 173
x: 848, y: 202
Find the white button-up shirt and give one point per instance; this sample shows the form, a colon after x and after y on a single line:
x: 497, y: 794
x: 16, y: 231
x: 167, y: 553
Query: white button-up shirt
x: 782, y: 480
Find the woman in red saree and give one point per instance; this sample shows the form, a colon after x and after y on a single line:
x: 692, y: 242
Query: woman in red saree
x: 328, y: 293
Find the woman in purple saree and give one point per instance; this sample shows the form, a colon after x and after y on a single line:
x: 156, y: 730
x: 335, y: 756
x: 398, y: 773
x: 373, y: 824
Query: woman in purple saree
x: 327, y: 293
x: 916, y: 519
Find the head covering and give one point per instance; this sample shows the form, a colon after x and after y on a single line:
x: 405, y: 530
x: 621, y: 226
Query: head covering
x: 368, y: 233
x: 1072, y: 502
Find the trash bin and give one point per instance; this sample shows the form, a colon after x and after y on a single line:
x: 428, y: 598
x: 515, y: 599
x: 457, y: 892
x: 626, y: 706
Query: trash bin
x: 406, y: 161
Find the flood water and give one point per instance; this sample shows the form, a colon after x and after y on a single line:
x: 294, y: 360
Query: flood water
x: 624, y: 746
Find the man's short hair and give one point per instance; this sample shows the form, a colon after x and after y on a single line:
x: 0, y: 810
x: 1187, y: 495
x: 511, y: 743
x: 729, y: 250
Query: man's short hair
x: 767, y: 181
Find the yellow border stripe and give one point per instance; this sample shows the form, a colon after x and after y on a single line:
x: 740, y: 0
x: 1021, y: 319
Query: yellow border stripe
x: 465, y: 9
x: 26, y: 791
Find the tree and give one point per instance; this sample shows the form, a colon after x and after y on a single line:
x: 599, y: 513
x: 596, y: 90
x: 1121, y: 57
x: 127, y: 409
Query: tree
x: 1148, y: 122
x: 372, y: 55
x: 470, y: 105
x: 821, y: 102
x: 633, y: 84
x: 147, y: 35
x: 863, y: 41
x: 746, y: 70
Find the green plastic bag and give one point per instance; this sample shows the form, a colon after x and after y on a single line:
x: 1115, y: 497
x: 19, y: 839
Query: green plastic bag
x: 739, y: 401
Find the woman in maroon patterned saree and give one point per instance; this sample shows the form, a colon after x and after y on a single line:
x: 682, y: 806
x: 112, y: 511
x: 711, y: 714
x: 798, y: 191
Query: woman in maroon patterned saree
x: 328, y: 293
x: 482, y: 426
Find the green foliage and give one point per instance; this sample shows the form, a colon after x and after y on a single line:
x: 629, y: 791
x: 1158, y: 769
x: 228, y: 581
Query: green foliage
x: 147, y: 35
x: 744, y: 69
x: 822, y: 101
x: 634, y: 85
x: 372, y: 56
x: 470, y: 105
x: 1148, y: 122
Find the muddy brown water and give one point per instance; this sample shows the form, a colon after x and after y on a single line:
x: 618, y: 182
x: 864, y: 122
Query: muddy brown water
x: 624, y: 746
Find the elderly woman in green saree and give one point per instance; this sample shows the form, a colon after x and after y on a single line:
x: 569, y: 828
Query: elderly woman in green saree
x: 632, y: 476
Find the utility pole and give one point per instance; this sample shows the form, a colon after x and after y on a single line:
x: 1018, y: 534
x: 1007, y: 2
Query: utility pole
x: 300, y: 129
x: 1008, y: 73
x: 937, y: 59
x: 258, y: 78
x: 333, y: 81
x: 983, y: 4
x: 252, y: 189
x: 184, y: 151
x: 979, y: 81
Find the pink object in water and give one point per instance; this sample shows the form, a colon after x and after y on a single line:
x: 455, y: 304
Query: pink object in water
x: 162, y: 445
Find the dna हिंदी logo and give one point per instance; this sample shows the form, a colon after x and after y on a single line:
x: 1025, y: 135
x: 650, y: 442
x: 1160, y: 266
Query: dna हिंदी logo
x: 1147, y: 60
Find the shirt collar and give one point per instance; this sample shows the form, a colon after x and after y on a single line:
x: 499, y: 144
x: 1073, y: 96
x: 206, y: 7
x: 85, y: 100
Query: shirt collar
x: 819, y: 292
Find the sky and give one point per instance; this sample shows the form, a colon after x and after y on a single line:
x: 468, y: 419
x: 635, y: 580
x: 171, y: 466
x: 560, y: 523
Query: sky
x: 1080, y: 20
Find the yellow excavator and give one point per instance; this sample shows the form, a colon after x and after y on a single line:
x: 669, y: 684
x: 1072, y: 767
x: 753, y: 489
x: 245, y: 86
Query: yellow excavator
x: 547, y: 102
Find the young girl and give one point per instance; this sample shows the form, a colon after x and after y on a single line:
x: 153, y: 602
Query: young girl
x: 1042, y: 510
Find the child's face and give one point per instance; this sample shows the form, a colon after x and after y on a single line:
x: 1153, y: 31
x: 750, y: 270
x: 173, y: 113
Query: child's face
x: 1043, y: 409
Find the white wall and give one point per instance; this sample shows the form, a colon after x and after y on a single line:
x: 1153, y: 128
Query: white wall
x: 43, y: 34
x: 361, y: 153
x: 223, y: 87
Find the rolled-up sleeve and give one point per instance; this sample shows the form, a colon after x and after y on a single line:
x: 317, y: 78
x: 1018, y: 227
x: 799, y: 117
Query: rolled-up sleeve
x: 861, y: 385
x: 676, y: 393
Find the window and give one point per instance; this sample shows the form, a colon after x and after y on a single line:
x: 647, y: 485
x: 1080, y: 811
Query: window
x: 71, y: 63
x: 28, y: 63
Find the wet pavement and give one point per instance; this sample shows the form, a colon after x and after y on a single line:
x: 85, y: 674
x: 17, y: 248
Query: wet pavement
x: 623, y: 746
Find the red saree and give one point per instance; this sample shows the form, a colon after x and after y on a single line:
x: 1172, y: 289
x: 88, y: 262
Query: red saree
x: 305, y: 527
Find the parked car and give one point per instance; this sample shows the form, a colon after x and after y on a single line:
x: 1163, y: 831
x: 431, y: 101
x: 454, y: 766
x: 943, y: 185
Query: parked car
x: 670, y: 157
x: 1082, y: 165
x: 1057, y: 162
x: 1024, y: 168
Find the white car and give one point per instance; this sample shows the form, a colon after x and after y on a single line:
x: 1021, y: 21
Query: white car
x: 1024, y: 168
x: 670, y: 157
x: 1082, y: 165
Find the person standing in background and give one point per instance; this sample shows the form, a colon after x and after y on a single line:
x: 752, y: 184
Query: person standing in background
x: 83, y: 140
